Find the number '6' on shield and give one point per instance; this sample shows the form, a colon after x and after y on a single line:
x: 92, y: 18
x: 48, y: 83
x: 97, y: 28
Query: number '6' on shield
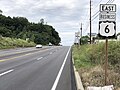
x: 107, y: 29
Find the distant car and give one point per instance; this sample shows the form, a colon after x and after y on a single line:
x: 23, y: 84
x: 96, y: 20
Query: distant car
x: 39, y: 46
x: 50, y: 44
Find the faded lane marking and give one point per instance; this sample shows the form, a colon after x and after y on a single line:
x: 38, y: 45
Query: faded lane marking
x: 6, y: 72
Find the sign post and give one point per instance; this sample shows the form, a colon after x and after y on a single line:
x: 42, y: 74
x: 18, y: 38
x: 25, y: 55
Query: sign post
x: 107, y: 28
x: 106, y: 61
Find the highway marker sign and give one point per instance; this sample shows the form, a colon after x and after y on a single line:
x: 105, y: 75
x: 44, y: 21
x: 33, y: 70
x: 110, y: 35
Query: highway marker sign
x: 107, y: 28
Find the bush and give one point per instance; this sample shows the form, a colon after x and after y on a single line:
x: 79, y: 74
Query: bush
x: 88, y: 55
x: 95, y: 53
x: 114, y: 53
x: 6, y: 42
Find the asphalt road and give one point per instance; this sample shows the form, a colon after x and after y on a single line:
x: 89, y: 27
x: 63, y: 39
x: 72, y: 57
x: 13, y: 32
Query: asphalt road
x: 47, y: 68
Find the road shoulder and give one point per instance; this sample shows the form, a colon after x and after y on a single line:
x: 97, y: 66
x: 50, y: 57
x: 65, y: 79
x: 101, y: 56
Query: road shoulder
x: 77, y: 78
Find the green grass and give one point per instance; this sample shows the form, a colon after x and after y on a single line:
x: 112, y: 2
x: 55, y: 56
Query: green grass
x: 6, y: 42
x: 83, y: 56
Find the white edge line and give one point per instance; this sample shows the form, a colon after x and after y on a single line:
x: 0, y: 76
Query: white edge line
x: 6, y: 72
x: 60, y: 72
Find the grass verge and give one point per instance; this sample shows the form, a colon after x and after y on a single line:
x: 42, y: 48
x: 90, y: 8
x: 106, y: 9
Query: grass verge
x: 89, y: 61
x: 6, y: 42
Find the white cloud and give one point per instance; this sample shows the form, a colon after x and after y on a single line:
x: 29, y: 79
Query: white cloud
x: 67, y: 38
x: 64, y: 15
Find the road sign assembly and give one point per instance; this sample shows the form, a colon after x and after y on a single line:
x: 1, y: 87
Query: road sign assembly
x: 107, y: 29
x: 107, y: 18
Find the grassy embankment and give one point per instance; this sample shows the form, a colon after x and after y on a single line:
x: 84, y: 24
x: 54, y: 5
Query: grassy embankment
x: 6, y: 42
x: 89, y: 61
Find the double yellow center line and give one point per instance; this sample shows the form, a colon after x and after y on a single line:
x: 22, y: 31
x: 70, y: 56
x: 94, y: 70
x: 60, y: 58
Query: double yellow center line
x: 2, y: 60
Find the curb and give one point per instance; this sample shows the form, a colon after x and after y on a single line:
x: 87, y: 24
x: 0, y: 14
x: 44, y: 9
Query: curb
x: 77, y: 78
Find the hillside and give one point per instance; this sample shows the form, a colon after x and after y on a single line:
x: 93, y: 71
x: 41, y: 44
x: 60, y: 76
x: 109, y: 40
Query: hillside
x: 20, y: 27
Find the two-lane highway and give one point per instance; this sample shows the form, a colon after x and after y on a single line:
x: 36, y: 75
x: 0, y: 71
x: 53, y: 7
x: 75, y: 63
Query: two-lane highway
x: 47, y: 68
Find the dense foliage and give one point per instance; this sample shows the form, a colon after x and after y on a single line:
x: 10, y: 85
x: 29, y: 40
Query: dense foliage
x: 20, y: 27
x: 84, y: 40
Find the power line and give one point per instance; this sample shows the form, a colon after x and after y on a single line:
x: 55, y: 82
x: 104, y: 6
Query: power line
x: 85, y: 16
x: 95, y: 17
x: 97, y: 13
x: 97, y: 4
x: 86, y: 27
x: 109, y: 1
x: 112, y: 1
x: 87, y: 23
x: 90, y: 22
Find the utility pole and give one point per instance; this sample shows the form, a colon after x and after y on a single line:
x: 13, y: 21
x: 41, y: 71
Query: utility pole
x: 90, y: 21
x: 81, y: 34
x: 81, y: 29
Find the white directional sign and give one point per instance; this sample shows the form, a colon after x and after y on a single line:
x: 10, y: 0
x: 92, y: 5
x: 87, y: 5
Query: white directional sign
x: 107, y: 29
x: 107, y: 16
x: 107, y: 8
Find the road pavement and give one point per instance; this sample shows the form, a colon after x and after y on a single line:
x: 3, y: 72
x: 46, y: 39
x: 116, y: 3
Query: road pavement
x: 48, y: 68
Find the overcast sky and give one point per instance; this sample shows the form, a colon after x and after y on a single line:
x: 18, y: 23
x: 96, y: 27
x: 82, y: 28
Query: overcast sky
x: 64, y: 15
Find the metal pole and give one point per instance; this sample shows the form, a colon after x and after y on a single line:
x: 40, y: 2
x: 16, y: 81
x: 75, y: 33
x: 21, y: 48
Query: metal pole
x: 106, y: 61
x: 81, y: 29
x: 90, y: 21
x: 81, y: 34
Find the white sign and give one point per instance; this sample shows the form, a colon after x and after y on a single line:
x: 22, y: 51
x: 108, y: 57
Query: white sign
x: 107, y: 16
x: 107, y: 8
x: 77, y: 34
x: 107, y: 29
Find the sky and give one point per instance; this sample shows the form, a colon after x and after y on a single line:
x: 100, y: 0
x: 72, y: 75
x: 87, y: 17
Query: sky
x: 65, y: 16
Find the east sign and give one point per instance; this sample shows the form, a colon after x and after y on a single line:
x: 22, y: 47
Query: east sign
x: 107, y: 8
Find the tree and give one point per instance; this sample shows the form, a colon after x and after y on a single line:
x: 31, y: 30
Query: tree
x: 5, y: 32
x: 32, y: 37
x: 1, y: 11
x: 24, y: 36
x: 20, y: 27
x: 42, y: 21
x: 84, y: 40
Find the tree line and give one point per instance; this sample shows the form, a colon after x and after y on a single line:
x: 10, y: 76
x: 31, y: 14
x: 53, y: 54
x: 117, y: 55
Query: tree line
x: 20, y: 27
